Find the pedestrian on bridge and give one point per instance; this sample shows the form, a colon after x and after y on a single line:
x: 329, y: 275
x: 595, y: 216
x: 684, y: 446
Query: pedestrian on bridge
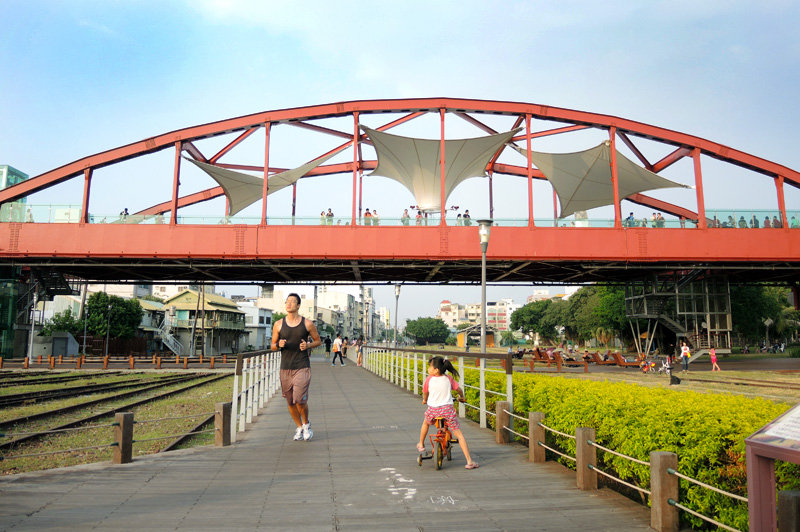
x: 291, y: 334
x: 327, y: 346
x: 337, y: 350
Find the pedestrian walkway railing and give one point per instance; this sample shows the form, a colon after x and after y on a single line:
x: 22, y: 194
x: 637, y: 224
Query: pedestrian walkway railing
x: 409, y: 367
x: 664, y: 485
x: 123, y: 439
x: 255, y: 380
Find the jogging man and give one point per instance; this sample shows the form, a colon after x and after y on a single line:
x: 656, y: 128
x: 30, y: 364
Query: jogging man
x: 291, y: 335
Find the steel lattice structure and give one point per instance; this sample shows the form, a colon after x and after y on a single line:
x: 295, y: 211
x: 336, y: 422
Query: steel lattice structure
x: 441, y: 253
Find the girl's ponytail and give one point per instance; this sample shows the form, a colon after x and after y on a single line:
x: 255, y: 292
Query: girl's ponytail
x: 443, y: 366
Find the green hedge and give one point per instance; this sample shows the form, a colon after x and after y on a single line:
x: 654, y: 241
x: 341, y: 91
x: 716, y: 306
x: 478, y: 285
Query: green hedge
x: 705, y: 430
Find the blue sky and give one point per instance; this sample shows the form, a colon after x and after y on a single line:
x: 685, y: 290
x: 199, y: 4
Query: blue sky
x: 85, y: 76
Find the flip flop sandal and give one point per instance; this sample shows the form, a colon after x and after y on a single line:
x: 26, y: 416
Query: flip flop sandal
x: 473, y: 465
x: 421, y: 448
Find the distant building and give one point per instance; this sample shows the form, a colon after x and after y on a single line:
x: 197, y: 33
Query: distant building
x: 218, y: 322
x: 125, y: 291
x: 258, y: 324
x: 14, y: 211
x: 538, y: 295
x: 452, y: 313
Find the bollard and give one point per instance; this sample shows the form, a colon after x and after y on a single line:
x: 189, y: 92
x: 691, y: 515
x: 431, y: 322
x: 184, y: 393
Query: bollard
x: 788, y: 510
x: 158, y: 363
x: 26, y: 363
x: 502, y: 419
x: 131, y: 362
x: 60, y: 359
x: 177, y: 359
x: 585, y: 366
x: 123, y: 436
x: 154, y: 359
x: 78, y: 362
x: 536, y: 453
x: 664, y: 517
x: 105, y: 363
x: 585, y: 456
x: 224, y: 359
x: 201, y: 358
x: 222, y: 424
x: 52, y: 362
x: 185, y: 362
x: 212, y: 363
x: 39, y: 359
x: 558, y: 362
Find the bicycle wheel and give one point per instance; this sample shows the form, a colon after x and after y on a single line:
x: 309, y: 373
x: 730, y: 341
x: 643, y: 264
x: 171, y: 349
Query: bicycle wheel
x: 438, y: 454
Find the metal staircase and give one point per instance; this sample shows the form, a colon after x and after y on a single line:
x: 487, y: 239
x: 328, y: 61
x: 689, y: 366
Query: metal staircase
x: 165, y: 335
x: 693, y: 304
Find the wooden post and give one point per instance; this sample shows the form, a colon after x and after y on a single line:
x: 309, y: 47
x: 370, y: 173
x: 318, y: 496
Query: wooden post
x: 131, y: 361
x: 211, y: 363
x: 222, y: 424
x: 158, y: 363
x: 585, y: 366
x: 586, y: 455
x: 123, y: 435
x: 201, y: 358
x: 105, y: 363
x: 52, y: 361
x: 78, y: 362
x: 1, y: 362
x: 788, y: 506
x: 60, y: 359
x: 185, y: 362
x: 26, y: 363
x: 536, y: 453
x: 663, y: 516
x: 177, y: 359
x: 502, y: 419
x: 224, y: 359
x: 39, y: 359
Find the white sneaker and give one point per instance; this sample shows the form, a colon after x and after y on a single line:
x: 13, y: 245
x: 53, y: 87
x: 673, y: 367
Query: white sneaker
x: 298, y: 434
x: 307, y: 432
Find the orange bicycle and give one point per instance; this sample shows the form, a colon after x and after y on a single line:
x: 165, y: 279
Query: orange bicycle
x: 441, y: 442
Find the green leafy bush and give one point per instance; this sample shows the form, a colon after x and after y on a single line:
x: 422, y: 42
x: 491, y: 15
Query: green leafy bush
x: 705, y: 430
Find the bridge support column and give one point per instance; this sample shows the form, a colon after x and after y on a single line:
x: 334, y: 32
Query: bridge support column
x: 663, y: 516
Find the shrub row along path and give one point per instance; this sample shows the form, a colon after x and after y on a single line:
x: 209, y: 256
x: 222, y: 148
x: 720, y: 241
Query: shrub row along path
x: 359, y: 472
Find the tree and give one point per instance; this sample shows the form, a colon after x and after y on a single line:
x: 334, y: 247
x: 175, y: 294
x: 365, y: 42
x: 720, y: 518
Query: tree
x: 508, y: 337
x: 278, y: 316
x: 428, y: 330
x: 528, y: 318
x: 153, y: 298
x: 63, y: 322
x: 751, y: 305
x: 125, y: 315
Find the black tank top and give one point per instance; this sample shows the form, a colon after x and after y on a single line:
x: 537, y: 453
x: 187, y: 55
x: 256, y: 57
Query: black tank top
x: 291, y: 355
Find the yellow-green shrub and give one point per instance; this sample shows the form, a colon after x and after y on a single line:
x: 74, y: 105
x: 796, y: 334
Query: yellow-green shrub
x: 705, y: 430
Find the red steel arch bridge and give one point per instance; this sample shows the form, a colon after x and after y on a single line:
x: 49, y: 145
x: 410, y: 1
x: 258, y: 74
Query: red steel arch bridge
x: 532, y: 246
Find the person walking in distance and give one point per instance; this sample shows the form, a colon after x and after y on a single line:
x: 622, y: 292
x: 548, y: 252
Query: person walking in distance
x: 328, y: 346
x: 685, y: 354
x: 359, y: 347
x: 713, y: 354
x: 337, y: 350
x: 291, y: 335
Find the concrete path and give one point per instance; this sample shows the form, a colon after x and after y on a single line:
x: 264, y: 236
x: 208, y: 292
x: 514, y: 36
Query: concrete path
x: 359, y: 472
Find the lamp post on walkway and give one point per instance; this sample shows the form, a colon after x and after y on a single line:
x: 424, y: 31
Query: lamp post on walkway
x: 396, y: 302
x: 108, y: 326
x: 484, y: 231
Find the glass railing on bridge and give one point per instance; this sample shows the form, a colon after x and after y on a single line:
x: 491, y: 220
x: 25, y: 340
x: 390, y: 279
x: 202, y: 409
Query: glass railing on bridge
x: 717, y: 218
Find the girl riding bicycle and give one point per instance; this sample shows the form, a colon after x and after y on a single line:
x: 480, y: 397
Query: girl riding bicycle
x: 436, y: 394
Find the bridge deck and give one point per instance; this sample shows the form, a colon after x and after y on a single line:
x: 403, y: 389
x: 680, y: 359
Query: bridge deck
x: 359, y: 472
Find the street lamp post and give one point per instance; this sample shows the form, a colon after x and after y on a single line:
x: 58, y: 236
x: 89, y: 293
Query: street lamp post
x: 396, y: 302
x: 108, y: 327
x: 484, y: 231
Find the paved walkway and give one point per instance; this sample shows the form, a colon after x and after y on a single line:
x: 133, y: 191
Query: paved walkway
x: 359, y: 472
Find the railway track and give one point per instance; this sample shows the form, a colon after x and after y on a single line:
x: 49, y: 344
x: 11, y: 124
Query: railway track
x: 24, y: 380
x: 748, y: 382
x: 31, y: 437
x: 74, y: 391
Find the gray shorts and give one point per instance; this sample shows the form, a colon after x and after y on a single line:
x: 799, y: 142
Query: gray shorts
x: 294, y: 385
